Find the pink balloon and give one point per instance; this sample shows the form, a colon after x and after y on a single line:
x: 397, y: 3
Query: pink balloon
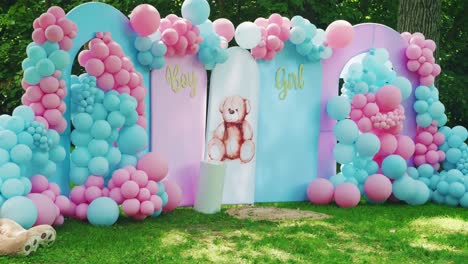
x: 285, y: 33
x: 145, y: 19
x: 66, y: 25
x: 273, y: 43
x: 347, y: 195
x: 339, y: 34
x: 37, y: 108
x: 53, y: 116
x: 127, y: 64
x: 270, y: 55
x: 59, y: 220
x: 320, y: 191
x: 46, y: 20
x: 432, y: 147
x: 426, y: 69
x: 276, y: 19
x: 180, y: 26
x: 122, y: 77
x: 152, y: 187
x: 51, y: 101
x: 155, y: 166
x: 56, y: 11
x: 378, y: 187
x: 50, y: 194
x: 54, y: 33
x: 144, y: 195
x: 116, y: 195
x: 441, y: 155
x: 94, y: 67
x: 224, y: 28
x: 359, y: 101
x: 77, y: 195
x: 165, y: 24
x: 81, y: 211
x: 92, y: 193
x: 413, y: 52
x: 371, y: 109
x: 427, y: 80
x: 170, y: 37
x: 60, y: 126
x: 115, y: 49
x: 46, y: 211
x: 130, y: 189
x: 174, y: 194
x: 355, y: 114
x: 365, y: 125
x: 406, y: 36
x: 425, y: 138
x: 140, y: 177
x: 71, y: 210
x: 38, y: 36
x: 261, y: 22
x: 419, y: 160
x: 438, y: 138
x: 147, y: 208
x: 120, y: 176
x: 417, y: 39
x: 99, y: 50
x: 84, y: 57
x: 39, y: 183
x: 93, y: 180
x: 413, y: 65
x: 388, y: 144
x: 436, y: 69
x: 54, y: 188
x: 66, y: 43
x: 273, y: 29
x: 181, y: 44
x: 42, y: 120
x: 142, y: 122
x: 130, y: 169
x: 430, y: 44
x: 420, y: 149
x: 259, y: 52
x: 106, y: 81
x: 157, y: 202
x: 112, y: 64
x: 388, y: 98
x: 63, y: 203
x: 405, y: 147
x: 49, y: 84
x: 432, y: 157
x: 131, y: 207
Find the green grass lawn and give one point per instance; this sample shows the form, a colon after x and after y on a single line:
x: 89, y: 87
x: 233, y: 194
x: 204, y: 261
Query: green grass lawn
x: 391, y: 233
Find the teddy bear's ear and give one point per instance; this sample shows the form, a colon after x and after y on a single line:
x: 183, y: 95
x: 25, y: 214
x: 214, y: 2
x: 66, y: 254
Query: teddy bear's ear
x: 221, y: 106
x: 247, y: 106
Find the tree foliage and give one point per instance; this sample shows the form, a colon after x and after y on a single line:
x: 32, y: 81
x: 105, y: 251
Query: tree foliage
x: 16, y: 19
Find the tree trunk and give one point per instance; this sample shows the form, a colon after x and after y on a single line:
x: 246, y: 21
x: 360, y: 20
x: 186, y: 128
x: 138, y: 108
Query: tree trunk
x: 420, y: 16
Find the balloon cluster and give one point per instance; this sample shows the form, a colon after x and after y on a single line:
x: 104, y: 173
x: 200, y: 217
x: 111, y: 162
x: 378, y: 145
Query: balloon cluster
x: 150, y: 53
x: 427, y: 150
x: 180, y: 36
x: 322, y: 191
x: 113, y: 118
x: 309, y: 41
x: 339, y: 34
x: 83, y: 195
x: 213, y: 49
x: 106, y: 61
x: 44, y: 91
x: 274, y: 31
x: 51, y: 206
x: 381, y: 112
x: 139, y: 195
x: 450, y: 188
x: 420, y: 54
x: 455, y: 148
x: 373, y: 73
x: 428, y: 107
x: 54, y: 27
x: 27, y: 147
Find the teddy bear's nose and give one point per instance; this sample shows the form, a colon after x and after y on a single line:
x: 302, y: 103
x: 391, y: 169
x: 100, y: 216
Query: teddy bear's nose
x: 231, y: 111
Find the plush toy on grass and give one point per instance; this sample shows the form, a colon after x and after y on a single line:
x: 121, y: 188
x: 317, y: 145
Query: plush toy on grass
x: 17, y: 241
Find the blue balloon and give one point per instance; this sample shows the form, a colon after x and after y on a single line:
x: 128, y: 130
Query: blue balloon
x: 127, y: 107
x: 50, y: 47
x: 451, y: 201
x: 426, y: 181
x: 454, y: 141
x: 298, y: 35
x: 82, y: 122
x: 436, y: 110
x: 112, y: 101
x: 12, y: 187
x: 413, y: 172
x: 394, y: 166
x: 424, y: 120
x: 464, y: 201
x: 426, y: 170
x: 145, y: 58
x: 453, y: 155
x: 4, y: 156
x: 434, y: 181
x: 461, y: 132
x: 346, y: 131
x: 158, y: 49
x: 98, y: 147
x: 372, y: 168
x: 24, y: 112
x: 10, y: 170
x: 157, y: 213
x: 443, y: 187
x: 457, y: 189
x: 143, y: 43
x: 422, y: 194
x: 421, y: 106
x: 337, y: 179
x: 98, y: 166
x: 361, y: 175
x: 196, y: 11
x: 305, y: 48
x: 80, y: 139
x: 78, y: 175
x: 348, y: 170
x: 101, y: 129
x: 422, y: 93
x: 437, y: 197
x: 80, y: 157
x: 343, y: 153
x: 352, y: 180
x: 127, y: 160
x: 206, y: 28
x: 132, y: 139
x: 165, y: 198
x: 21, y: 210
x: 26, y: 184
x: 32, y: 76
x: 404, y: 85
x: 27, y: 63
x: 338, y: 107
x: 367, y: 145
x: 158, y: 62
x: 36, y: 53
x: 454, y: 176
x: 60, y: 58
x: 21, y: 154
x: 114, y: 156
x: 57, y: 154
x: 116, y: 119
x: 45, y: 67
x: 48, y: 169
x: 297, y: 21
x: 103, y: 212
x: 404, y: 188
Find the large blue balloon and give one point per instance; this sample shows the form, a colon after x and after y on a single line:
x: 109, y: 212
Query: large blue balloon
x: 103, y: 212
x: 346, y: 131
x: 196, y: 11
x: 12, y: 187
x: 404, y: 188
x: 367, y: 145
x: 132, y: 140
x: 422, y: 194
x: 21, y: 210
x: 394, y: 166
x: 338, y: 107
x: 344, y: 153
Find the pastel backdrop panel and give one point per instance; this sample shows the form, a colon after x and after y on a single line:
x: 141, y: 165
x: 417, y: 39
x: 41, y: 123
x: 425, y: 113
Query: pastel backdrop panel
x: 367, y: 36
x: 239, y: 76
x: 91, y: 18
x: 288, y: 127
x: 178, y: 116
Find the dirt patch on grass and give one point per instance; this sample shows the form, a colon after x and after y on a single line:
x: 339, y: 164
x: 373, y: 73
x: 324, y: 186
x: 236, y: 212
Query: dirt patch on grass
x: 273, y: 214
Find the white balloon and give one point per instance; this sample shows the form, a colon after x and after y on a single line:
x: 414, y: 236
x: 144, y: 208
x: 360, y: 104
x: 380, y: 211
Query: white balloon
x: 248, y: 35
x: 319, y: 37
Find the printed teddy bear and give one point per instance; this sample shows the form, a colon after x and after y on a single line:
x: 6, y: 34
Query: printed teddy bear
x: 232, y: 139
x: 17, y: 241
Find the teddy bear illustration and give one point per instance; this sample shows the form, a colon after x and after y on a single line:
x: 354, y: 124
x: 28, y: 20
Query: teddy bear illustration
x: 17, y: 241
x: 232, y: 139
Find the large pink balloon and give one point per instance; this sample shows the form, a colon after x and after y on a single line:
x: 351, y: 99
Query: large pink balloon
x: 388, y: 98
x: 339, y: 34
x: 378, y: 187
x: 224, y: 28
x: 174, y: 193
x: 347, y: 195
x: 46, y: 209
x: 155, y: 166
x: 320, y: 191
x: 405, y: 147
x: 145, y: 19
